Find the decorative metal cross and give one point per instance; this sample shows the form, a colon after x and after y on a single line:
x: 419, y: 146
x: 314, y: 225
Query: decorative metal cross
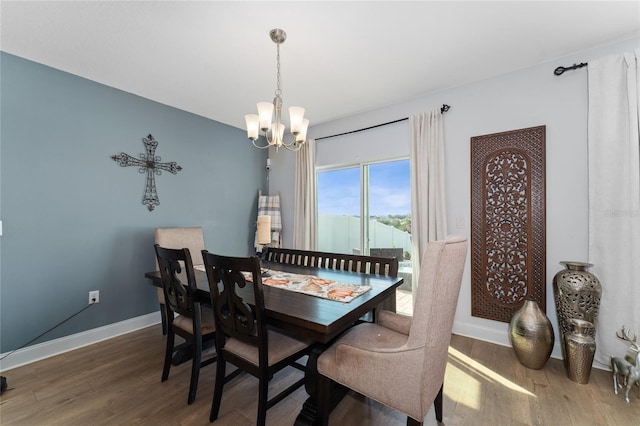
x: 150, y: 164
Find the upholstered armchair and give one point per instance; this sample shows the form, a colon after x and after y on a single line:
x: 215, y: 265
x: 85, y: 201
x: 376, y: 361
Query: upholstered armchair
x: 400, y: 361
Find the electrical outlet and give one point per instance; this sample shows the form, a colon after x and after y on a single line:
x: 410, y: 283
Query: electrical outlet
x: 94, y: 296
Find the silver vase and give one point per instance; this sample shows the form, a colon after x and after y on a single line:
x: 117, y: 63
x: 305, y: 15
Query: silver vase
x: 531, y: 335
x: 577, y: 295
x: 580, y: 347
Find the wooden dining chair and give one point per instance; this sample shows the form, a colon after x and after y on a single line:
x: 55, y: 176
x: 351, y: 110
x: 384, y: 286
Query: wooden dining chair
x: 193, y: 323
x: 400, y: 362
x: 177, y: 238
x: 244, y: 338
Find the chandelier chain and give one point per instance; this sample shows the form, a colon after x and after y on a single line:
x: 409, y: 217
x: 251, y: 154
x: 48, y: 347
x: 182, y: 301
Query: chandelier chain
x: 278, y: 90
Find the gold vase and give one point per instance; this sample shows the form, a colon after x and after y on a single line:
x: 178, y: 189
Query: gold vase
x: 531, y: 335
x: 580, y: 349
x: 576, y: 294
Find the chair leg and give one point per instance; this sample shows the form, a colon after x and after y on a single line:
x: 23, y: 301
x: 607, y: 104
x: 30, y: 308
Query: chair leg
x: 195, y: 370
x: 163, y: 316
x: 167, y: 355
x: 413, y: 422
x: 263, y: 388
x: 217, y: 389
x: 437, y: 404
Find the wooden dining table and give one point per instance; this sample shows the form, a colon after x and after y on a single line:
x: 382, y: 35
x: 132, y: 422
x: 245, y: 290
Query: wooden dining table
x: 321, y: 320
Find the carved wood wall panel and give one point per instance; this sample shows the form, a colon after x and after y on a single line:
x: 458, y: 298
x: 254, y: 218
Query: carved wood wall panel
x: 508, y: 242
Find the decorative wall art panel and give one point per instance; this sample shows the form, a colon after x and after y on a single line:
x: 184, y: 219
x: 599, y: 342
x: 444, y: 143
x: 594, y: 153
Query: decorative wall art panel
x: 148, y: 163
x: 508, y: 243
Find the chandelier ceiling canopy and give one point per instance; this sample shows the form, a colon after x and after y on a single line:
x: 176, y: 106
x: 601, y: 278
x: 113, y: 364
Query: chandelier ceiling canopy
x: 268, y: 121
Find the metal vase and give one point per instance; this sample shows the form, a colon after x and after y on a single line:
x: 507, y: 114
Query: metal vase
x: 531, y: 335
x: 577, y: 295
x: 580, y: 347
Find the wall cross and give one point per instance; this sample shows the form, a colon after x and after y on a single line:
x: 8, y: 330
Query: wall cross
x: 150, y: 164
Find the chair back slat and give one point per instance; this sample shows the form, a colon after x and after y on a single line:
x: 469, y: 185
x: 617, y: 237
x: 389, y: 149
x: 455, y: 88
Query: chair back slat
x: 233, y: 315
x: 179, y: 296
x: 373, y: 265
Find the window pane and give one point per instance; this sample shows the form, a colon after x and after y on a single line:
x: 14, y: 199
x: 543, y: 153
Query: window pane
x: 389, y: 196
x: 389, y: 230
x: 339, y: 210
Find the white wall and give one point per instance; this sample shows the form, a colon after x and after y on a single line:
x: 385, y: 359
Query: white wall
x: 530, y: 97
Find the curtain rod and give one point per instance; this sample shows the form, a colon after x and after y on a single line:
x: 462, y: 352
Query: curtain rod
x: 444, y: 109
x: 561, y: 70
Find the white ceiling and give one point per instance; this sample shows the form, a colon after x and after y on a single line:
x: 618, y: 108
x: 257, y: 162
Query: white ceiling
x: 216, y: 59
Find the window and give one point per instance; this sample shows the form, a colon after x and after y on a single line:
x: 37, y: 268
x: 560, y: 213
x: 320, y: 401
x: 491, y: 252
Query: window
x: 339, y: 204
x: 366, y: 209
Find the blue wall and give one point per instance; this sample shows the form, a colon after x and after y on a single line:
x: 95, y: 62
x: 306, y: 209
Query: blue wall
x: 72, y: 217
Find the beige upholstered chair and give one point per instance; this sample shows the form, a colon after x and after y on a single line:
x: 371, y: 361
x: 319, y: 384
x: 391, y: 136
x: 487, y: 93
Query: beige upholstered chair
x: 400, y: 362
x: 193, y: 323
x: 178, y: 238
x: 244, y: 339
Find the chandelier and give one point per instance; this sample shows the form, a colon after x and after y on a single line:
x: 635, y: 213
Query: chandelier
x: 269, y: 117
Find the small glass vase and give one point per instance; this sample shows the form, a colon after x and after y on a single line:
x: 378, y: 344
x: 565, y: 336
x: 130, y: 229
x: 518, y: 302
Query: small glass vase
x: 531, y: 335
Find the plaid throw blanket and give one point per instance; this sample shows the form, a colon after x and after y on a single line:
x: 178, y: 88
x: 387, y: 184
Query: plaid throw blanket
x: 270, y: 205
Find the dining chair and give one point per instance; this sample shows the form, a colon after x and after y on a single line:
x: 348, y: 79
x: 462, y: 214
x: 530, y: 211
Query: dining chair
x: 244, y: 338
x: 400, y: 361
x: 193, y: 323
x: 177, y: 238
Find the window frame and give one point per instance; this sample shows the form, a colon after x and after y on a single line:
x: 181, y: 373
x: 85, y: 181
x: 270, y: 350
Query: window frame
x: 364, y: 192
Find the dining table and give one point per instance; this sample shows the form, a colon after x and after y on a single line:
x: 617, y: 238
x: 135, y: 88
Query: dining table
x: 319, y: 319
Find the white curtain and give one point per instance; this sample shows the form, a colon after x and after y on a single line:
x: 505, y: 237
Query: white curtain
x: 304, y: 213
x: 614, y: 196
x: 428, y: 210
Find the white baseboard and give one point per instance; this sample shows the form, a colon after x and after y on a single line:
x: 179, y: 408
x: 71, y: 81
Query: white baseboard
x: 68, y: 343
x: 494, y: 336
x: 478, y: 332
x: 502, y: 338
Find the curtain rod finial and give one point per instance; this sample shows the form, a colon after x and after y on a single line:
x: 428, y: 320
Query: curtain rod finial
x: 561, y: 70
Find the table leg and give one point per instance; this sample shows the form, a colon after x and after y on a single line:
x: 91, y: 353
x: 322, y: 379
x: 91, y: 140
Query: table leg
x: 184, y: 351
x: 309, y: 413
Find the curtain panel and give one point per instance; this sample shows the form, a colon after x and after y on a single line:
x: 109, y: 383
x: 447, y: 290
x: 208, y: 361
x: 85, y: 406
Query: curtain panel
x: 428, y: 210
x: 304, y: 213
x: 614, y: 196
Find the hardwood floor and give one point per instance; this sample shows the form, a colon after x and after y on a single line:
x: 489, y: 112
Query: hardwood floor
x: 117, y: 382
x: 404, y: 302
